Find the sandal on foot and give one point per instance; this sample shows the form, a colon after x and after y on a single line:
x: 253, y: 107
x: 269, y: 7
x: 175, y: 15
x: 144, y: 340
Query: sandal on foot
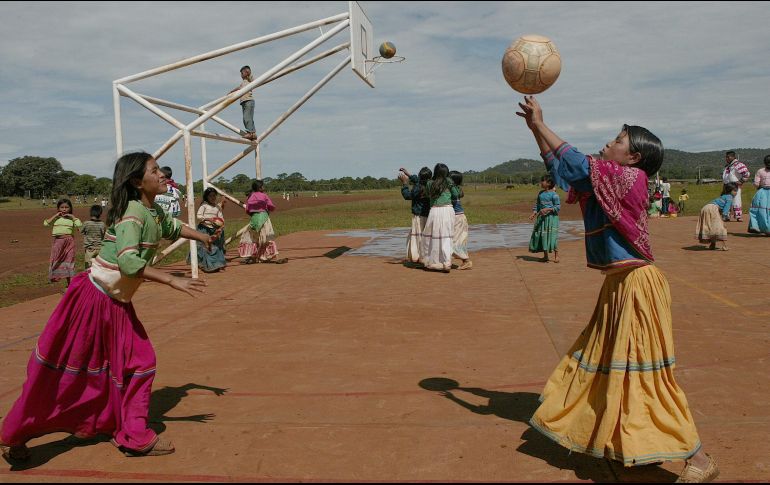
x: 693, y: 474
x: 161, y: 447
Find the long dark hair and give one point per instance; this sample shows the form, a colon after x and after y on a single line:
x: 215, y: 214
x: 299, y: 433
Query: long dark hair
x: 642, y: 141
x: 424, y: 175
x: 767, y: 162
x: 457, y: 179
x: 729, y: 187
x: 128, y: 168
x: 257, y: 186
x: 206, y: 194
x: 441, y: 181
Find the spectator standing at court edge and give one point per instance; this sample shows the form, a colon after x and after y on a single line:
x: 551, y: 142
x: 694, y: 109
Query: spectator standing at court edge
x: 736, y: 172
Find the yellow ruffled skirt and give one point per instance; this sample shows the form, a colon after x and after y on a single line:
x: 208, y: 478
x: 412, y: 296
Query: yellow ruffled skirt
x: 614, y: 394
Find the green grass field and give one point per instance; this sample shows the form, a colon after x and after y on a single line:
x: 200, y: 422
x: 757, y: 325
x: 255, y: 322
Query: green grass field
x: 385, y: 208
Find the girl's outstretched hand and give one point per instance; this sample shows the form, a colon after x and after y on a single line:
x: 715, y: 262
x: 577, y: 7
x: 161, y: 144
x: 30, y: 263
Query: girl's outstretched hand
x: 403, y: 177
x: 188, y: 285
x: 530, y: 111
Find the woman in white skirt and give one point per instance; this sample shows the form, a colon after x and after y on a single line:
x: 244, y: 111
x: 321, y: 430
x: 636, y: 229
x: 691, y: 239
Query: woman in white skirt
x: 420, y: 209
x: 436, y: 251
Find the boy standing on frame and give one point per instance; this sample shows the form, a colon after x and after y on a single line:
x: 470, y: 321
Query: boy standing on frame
x: 247, y: 105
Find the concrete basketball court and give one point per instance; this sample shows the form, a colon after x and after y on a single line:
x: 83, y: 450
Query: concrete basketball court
x: 322, y: 361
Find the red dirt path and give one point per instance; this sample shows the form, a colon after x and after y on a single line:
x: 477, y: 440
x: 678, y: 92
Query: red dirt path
x: 322, y: 358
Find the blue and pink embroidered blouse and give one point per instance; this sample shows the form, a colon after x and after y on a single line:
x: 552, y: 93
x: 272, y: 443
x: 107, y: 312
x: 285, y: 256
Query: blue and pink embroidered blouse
x: 606, y: 248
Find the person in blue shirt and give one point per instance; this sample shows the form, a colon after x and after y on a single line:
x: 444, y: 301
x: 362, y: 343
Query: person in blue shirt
x: 614, y: 394
x: 711, y: 227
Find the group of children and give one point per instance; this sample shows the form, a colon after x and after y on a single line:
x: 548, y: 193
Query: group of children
x: 661, y: 203
x: 64, y: 224
x: 439, y: 226
x: 438, y: 234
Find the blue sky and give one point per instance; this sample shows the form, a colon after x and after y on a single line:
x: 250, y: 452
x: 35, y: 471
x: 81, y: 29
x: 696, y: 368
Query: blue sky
x: 696, y: 74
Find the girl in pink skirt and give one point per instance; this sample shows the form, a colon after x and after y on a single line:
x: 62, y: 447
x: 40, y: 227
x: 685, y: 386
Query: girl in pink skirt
x: 92, y: 369
x: 62, y: 262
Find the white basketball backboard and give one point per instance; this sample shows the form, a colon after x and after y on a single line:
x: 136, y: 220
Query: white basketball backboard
x: 361, y: 43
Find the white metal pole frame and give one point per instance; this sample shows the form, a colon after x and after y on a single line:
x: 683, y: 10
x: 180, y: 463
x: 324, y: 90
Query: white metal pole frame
x: 118, y: 125
x: 258, y: 162
x: 211, y: 109
x: 204, y: 160
x: 190, y: 202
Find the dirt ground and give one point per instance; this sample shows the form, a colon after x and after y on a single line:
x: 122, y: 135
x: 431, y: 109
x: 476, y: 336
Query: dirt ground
x: 322, y: 359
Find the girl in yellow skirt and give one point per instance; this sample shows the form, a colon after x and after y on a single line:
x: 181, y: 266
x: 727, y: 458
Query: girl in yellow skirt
x: 614, y: 394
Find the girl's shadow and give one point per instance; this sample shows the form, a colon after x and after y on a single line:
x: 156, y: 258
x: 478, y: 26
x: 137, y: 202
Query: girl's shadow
x: 520, y: 406
x: 161, y: 402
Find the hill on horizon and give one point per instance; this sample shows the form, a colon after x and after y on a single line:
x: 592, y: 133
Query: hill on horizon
x: 677, y: 164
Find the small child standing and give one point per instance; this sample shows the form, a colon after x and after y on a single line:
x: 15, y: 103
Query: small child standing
x: 247, y: 105
x: 460, y: 235
x: 711, y: 227
x: 93, y: 234
x: 420, y: 209
x: 62, y: 262
x: 682, y: 199
x: 545, y: 234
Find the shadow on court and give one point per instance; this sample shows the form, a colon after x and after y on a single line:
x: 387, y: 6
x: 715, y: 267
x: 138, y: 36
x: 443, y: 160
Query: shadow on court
x: 520, y: 406
x: 162, y: 401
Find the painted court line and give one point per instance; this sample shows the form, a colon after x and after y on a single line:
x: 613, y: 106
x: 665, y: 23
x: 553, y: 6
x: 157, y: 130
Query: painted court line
x: 168, y: 477
x: 730, y: 303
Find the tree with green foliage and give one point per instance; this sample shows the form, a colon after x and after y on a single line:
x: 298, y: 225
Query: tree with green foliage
x: 40, y: 176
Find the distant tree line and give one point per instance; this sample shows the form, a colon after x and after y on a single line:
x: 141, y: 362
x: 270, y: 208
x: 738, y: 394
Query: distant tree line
x: 44, y: 177
x: 40, y: 177
x: 296, y: 182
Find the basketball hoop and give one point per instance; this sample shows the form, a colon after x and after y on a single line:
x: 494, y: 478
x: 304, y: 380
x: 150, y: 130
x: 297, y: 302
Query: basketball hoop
x: 382, y: 60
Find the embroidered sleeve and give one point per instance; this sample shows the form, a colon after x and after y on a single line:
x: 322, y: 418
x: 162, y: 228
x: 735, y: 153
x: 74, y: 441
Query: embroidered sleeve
x: 128, y: 236
x: 743, y: 170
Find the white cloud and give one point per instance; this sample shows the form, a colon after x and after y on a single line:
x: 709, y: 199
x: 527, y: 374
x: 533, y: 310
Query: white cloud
x: 694, y: 73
